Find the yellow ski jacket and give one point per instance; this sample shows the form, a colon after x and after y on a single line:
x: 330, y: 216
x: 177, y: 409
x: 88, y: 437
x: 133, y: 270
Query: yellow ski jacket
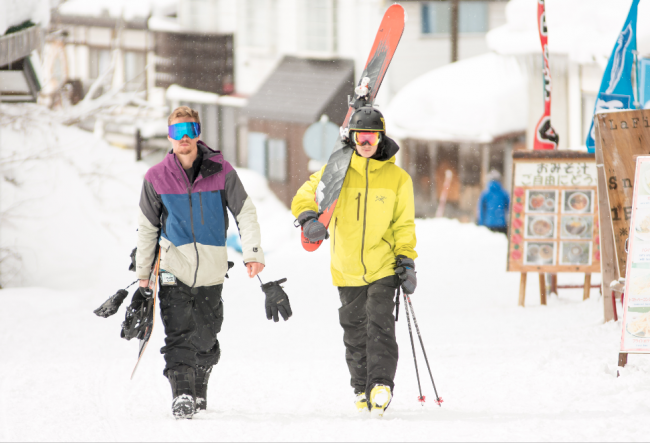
x: 373, y: 221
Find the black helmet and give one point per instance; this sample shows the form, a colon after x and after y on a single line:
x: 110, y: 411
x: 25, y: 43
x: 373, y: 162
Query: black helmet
x: 367, y: 118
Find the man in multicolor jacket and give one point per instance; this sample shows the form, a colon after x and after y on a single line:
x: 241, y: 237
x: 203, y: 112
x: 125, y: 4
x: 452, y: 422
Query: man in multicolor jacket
x: 183, y: 209
x: 372, y: 237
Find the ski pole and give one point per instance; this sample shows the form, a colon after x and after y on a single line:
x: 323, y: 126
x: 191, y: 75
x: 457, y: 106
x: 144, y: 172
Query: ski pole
x: 421, y: 398
x: 417, y: 329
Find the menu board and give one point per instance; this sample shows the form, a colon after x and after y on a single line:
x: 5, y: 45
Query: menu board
x: 554, y: 213
x: 636, y: 317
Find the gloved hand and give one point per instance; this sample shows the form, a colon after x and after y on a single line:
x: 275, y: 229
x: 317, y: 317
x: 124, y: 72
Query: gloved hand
x: 311, y: 227
x: 276, y: 301
x: 111, y: 305
x: 405, y: 270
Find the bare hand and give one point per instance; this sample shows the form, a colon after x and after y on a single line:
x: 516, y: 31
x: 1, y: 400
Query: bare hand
x: 254, y: 268
x: 144, y: 283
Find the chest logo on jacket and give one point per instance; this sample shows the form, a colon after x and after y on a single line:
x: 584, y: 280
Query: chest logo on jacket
x: 380, y: 198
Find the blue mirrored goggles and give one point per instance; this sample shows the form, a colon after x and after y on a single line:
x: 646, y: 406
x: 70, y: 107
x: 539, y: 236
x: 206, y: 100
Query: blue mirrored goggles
x: 177, y: 131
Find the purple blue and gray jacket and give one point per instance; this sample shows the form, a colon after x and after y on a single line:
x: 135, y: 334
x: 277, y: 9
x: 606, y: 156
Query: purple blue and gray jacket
x: 190, y: 221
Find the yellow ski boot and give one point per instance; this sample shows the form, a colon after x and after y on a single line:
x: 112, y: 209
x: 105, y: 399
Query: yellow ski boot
x: 361, y: 402
x: 379, y: 398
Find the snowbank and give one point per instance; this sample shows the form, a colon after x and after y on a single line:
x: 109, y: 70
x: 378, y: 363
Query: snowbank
x: 473, y: 100
x: 505, y: 373
x: 69, y: 207
x: 582, y: 29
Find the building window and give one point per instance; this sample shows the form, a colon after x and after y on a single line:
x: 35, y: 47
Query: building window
x: 267, y: 156
x: 317, y: 25
x: 259, y: 16
x: 99, y: 61
x: 277, y: 160
x: 472, y: 17
x: 134, y: 70
x: 257, y: 152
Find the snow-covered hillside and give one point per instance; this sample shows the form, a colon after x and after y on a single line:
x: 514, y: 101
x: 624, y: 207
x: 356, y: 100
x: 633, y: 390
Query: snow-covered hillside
x: 505, y: 373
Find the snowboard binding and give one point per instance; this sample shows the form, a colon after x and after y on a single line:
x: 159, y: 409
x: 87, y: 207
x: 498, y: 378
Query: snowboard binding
x: 138, y: 318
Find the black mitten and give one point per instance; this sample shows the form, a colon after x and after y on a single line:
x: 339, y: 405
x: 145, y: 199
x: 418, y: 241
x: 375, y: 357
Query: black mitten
x: 111, y: 305
x: 276, y: 301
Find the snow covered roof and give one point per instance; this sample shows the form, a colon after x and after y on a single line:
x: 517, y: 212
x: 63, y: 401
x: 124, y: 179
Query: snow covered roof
x: 582, y: 29
x: 473, y: 100
x: 16, y: 12
x: 128, y: 9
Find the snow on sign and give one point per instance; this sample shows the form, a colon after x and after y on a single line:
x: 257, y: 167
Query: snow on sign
x: 636, y: 318
x: 554, y: 213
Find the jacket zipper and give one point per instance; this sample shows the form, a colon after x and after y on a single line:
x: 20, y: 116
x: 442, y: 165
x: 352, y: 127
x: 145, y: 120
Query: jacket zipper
x: 201, y: 205
x: 358, y: 199
x: 189, y: 195
x: 387, y: 243
x: 365, y: 211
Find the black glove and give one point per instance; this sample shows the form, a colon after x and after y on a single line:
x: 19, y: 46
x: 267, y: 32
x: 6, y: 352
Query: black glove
x: 276, y: 301
x: 137, y: 315
x: 311, y: 227
x: 111, y: 305
x: 405, y: 270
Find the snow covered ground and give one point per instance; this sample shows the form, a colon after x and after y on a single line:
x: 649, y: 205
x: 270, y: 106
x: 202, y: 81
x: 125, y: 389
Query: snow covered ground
x: 505, y: 373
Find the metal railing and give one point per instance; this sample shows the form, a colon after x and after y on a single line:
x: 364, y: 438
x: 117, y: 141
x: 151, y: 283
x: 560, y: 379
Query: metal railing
x: 19, y: 45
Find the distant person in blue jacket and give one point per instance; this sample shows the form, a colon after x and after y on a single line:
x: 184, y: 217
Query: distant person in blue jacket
x: 493, y: 205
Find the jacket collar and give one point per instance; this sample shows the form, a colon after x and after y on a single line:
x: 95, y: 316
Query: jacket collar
x: 209, y: 166
x: 388, y: 152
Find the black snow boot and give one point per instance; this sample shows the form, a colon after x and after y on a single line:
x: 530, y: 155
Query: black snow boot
x: 182, y: 380
x: 202, y: 377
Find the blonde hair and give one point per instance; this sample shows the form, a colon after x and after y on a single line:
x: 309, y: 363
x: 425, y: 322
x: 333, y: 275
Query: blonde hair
x: 182, y: 112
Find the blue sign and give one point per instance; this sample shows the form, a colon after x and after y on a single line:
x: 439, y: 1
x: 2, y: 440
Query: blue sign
x: 319, y: 140
x: 616, y: 88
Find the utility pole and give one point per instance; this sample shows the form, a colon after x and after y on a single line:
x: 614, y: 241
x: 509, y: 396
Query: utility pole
x: 454, y: 30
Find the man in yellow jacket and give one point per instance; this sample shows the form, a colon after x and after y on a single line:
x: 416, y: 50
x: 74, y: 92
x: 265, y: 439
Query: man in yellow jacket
x: 372, y: 232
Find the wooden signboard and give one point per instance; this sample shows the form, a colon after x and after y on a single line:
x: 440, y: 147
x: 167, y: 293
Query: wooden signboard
x: 621, y: 137
x: 554, y: 213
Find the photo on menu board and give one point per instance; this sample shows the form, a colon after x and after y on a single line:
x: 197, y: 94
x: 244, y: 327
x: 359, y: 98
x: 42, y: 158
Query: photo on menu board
x: 642, y: 226
x: 539, y: 253
x: 575, y: 253
x: 644, y: 179
x: 541, y: 201
x: 640, y: 282
x: 577, y: 226
x: 578, y: 201
x: 540, y: 226
x: 638, y: 322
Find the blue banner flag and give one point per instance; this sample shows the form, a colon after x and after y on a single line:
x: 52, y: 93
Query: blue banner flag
x: 617, y: 89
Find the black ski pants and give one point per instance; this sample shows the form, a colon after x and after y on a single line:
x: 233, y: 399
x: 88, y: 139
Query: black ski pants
x: 192, y: 322
x: 366, y: 316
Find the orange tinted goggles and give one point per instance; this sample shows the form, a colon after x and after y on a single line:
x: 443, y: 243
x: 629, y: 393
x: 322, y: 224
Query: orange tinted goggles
x: 366, y: 138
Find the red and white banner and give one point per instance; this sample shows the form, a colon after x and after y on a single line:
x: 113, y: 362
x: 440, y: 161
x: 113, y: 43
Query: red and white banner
x: 545, y: 135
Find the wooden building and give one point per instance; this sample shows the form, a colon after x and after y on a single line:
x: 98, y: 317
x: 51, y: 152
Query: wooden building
x: 295, y: 95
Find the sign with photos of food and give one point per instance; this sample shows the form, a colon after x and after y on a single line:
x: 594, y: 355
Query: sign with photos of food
x: 554, y: 213
x: 636, y: 311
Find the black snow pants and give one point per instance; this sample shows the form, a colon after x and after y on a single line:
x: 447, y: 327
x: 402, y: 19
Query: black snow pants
x: 192, y: 322
x: 366, y: 316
